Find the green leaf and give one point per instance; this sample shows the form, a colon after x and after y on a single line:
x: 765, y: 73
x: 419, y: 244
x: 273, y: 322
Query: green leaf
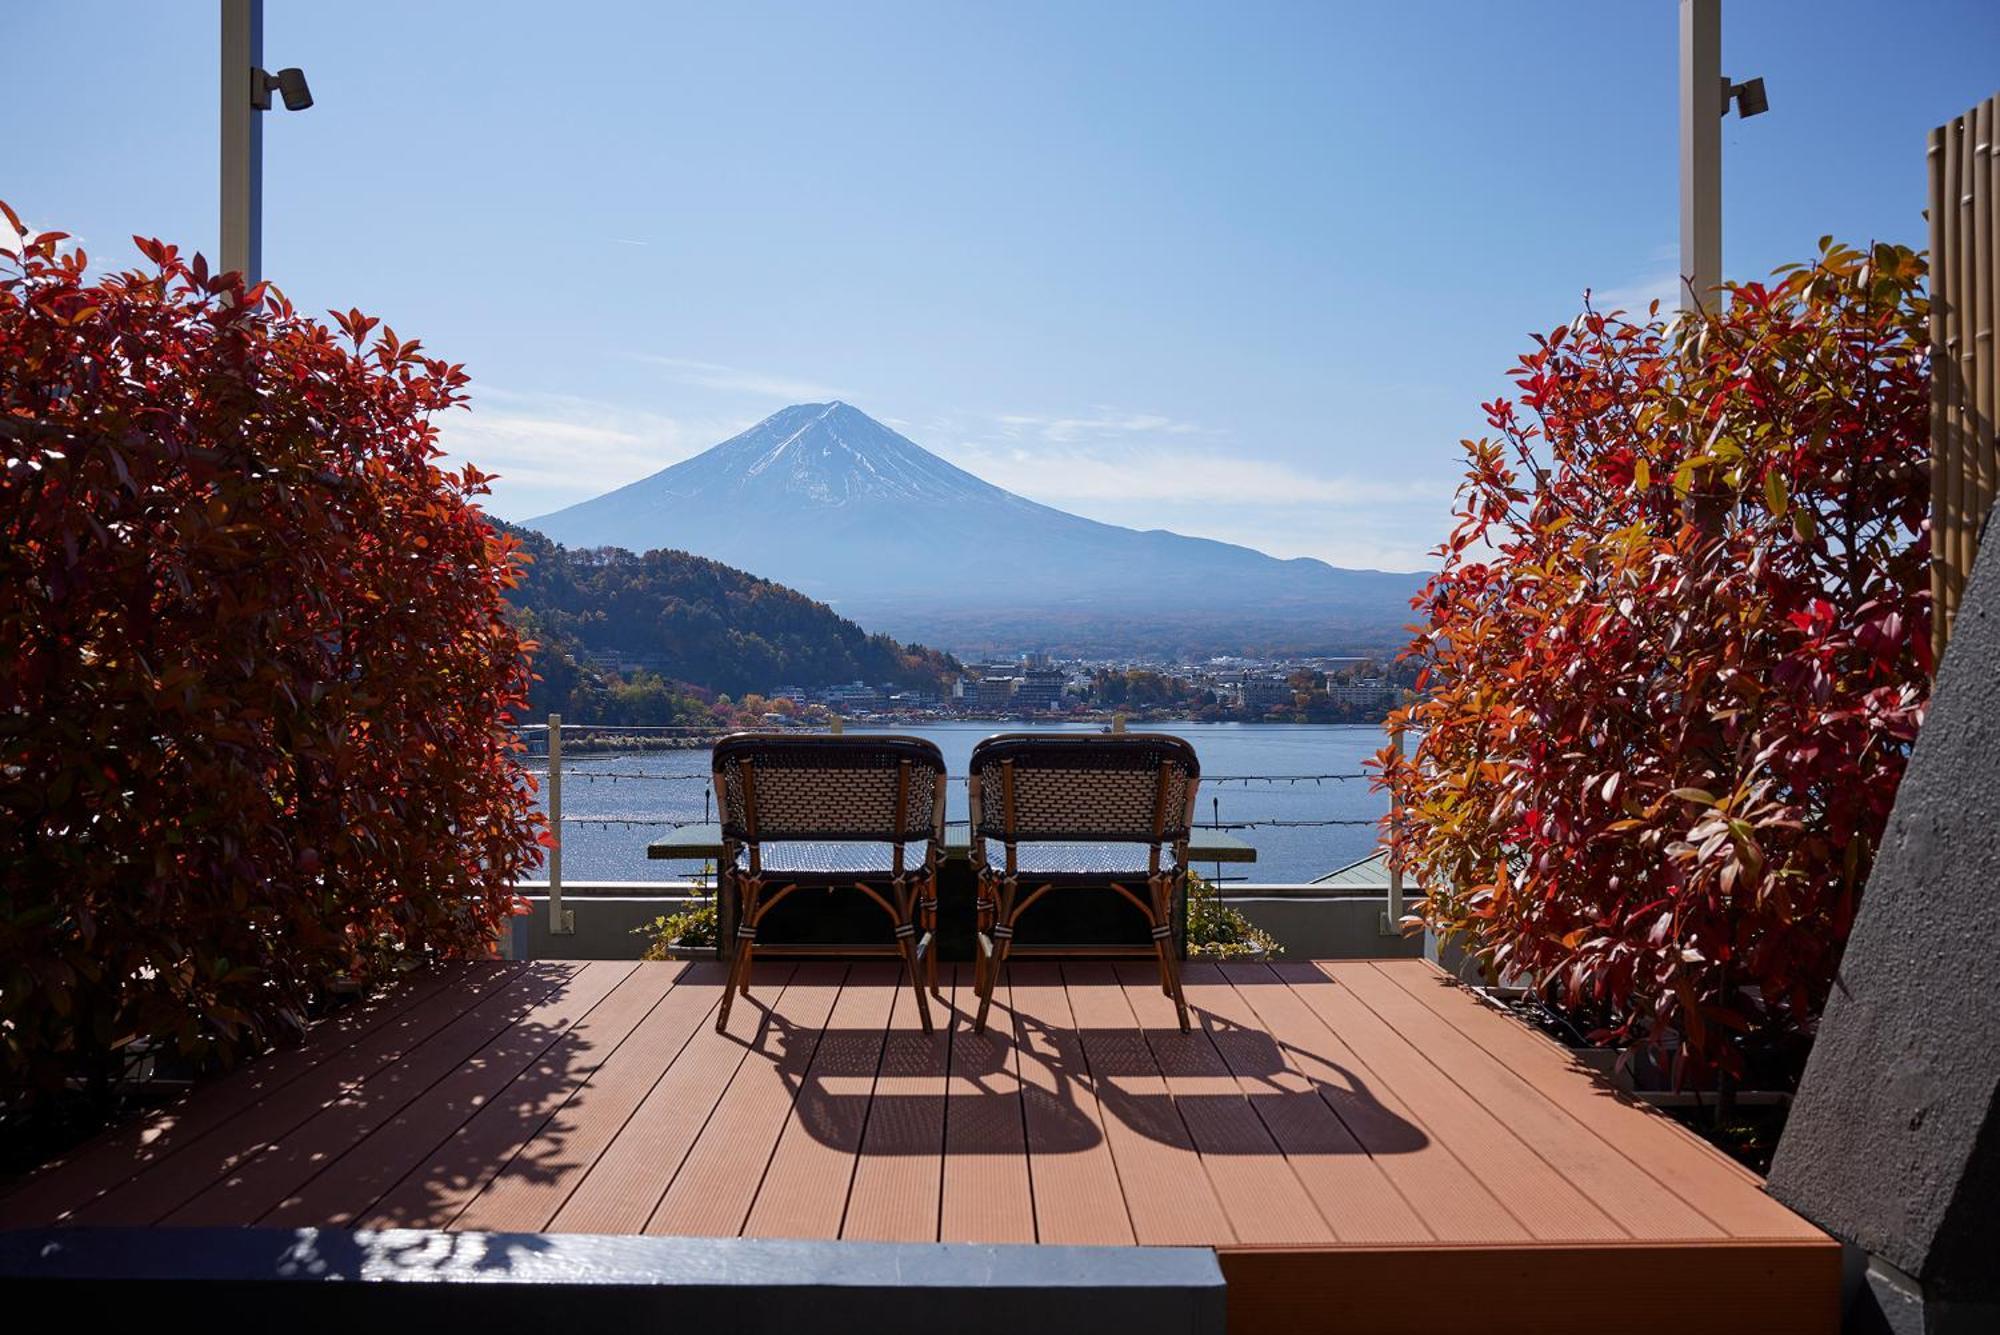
x: 1701, y: 795
x: 1774, y: 493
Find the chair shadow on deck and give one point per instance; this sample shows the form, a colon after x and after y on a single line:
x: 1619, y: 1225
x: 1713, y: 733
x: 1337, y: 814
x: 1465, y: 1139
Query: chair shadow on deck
x: 882, y: 1092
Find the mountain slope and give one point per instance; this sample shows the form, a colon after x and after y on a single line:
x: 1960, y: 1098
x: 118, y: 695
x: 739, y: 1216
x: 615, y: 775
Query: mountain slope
x: 825, y: 499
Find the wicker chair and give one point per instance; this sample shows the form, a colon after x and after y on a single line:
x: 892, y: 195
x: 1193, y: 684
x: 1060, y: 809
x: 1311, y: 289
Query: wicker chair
x: 818, y: 812
x: 1079, y: 803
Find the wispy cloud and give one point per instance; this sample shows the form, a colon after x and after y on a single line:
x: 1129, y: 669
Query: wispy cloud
x: 1635, y: 297
x: 1108, y: 454
x: 1150, y: 470
x: 12, y: 241
x: 710, y: 375
x: 552, y: 450
x: 1221, y: 476
x: 1100, y: 424
x: 1660, y: 282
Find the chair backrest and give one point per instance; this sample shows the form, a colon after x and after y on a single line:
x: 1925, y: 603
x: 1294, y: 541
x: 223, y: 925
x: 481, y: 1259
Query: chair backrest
x: 1075, y: 788
x: 778, y: 787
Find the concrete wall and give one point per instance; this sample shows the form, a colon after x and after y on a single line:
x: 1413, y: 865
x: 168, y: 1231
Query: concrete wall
x: 1315, y: 922
x: 606, y: 914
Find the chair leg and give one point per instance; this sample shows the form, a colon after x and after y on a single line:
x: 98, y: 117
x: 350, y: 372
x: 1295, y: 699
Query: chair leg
x: 1003, y: 936
x: 1163, y: 944
x: 1163, y: 913
x: 739, y: 978
x: 929, y: 942
x: 909, y: 947
x: 981, y: 944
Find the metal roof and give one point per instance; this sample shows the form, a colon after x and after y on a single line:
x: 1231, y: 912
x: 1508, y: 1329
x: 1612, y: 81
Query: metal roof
x: 1371, y: 873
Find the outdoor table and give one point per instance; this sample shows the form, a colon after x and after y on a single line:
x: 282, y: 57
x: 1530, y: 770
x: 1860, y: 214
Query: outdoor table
x: 1086, y: 924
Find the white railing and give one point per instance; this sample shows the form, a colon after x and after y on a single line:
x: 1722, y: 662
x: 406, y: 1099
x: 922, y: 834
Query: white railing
x: 562, y: 920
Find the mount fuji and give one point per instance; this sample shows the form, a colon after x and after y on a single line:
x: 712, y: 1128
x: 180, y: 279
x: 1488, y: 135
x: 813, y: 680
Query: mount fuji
x: 824, y: 498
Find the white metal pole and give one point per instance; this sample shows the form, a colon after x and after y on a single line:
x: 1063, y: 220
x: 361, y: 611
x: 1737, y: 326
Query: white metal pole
x: 561, y: 921
x: 1702, y: 106
x: 242, y: 139
x: 1393, y: 918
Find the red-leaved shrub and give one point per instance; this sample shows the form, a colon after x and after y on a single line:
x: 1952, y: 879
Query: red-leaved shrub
x: 1677, y: 654
x: 255, y: 667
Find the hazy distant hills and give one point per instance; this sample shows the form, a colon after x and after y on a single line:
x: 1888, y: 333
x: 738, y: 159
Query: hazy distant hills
x: 827, y: 500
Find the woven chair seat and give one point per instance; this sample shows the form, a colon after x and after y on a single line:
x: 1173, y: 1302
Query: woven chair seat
x: 1066, y: 859
x: 817, y: 858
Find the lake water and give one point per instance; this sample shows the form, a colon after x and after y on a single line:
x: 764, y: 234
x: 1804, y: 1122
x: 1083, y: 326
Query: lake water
x: 614, y: 806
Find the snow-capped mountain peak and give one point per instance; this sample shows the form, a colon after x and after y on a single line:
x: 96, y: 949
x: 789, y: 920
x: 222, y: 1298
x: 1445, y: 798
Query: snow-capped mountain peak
x: 823, y: 454
x: 823, y: 497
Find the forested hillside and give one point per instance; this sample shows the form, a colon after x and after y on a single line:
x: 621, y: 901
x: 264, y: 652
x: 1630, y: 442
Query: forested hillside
x: 686, y: 619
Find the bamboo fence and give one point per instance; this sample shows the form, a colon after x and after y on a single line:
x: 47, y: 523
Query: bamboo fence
x: 1965, y: 373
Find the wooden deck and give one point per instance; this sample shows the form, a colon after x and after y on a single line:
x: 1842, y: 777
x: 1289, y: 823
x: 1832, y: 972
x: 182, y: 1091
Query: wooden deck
x: 1366, y: 1145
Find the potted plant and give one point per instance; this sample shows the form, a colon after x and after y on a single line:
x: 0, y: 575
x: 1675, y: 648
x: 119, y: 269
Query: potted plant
x: 687, y: 935
x: 1219, y: 932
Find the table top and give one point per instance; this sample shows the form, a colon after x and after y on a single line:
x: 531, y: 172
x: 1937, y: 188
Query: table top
x: 705, y: 842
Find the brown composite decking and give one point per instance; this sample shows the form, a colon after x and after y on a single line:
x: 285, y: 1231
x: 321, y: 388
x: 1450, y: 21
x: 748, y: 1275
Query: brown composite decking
x: 1365, y: 1144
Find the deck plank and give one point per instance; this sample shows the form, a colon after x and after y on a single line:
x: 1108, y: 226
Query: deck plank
x: 1167, y: 1188
x: 712, y: 1194
x: 66, y: 1185
x: 899, y: 1176
x: 1451, y: 1202
x: 618, y: 1192
x: 804, y: 1194
x: 264, y: 1181
x: 434, y: 1192
x: 345, y: 1184
x: 212, y: 1157
x: 1397, y: 1111
x: 1635, y: 1201
x: 987, y: 1193
x: 1720, y: 1188
x: 1536, y: 1194
x: 1078, y: 1198
x: 537, y: 1180
x: 1358, y: 1201
x: 1260, y: 1192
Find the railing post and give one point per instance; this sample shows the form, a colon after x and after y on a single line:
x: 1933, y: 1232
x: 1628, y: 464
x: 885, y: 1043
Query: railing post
x: 1392, y: 916
x: 561, y: 921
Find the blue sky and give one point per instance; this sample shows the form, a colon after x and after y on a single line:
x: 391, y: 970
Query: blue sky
x: 1239, y: 270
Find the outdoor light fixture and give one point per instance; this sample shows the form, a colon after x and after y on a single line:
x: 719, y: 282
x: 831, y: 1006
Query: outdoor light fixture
x: 246, y: 88
x: 1748, y: 96
x: 291, y: 85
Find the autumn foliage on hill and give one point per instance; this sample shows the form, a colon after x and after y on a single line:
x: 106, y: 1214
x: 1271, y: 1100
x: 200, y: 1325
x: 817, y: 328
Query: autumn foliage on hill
x: 702, y: 623
x: 255, y: 665
x: 1677, y: 654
